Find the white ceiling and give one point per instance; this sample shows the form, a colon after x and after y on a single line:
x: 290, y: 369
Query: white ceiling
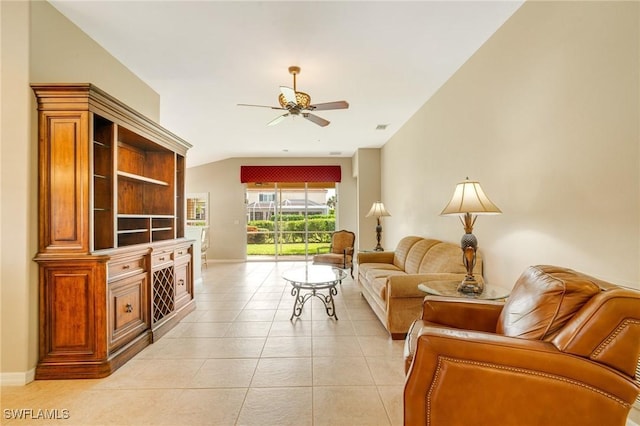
x: 204, y: 57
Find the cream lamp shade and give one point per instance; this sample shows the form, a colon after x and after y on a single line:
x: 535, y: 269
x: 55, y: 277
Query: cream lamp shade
x: 469, y: 197
x: 378, y: 210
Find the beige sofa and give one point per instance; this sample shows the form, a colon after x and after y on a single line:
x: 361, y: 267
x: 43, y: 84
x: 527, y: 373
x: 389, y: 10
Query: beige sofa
x: 389, y: 279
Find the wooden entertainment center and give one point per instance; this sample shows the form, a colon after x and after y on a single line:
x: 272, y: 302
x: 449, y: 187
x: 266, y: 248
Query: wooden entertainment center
x: 115, y: 271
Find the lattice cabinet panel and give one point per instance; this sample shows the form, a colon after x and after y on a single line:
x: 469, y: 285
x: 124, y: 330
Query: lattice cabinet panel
x: 163, y: 293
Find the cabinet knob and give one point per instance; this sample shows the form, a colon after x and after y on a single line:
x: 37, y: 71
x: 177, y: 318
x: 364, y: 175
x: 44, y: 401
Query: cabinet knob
x: 180, y: 282
x: 161, y: 259
x: 128, y: 308
x: 126, y: 267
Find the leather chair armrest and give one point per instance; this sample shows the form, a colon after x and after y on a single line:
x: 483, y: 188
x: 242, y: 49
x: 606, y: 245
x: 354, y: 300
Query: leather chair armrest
x: 376, y: 257
x: 456, y: 312
x: 484, y: 373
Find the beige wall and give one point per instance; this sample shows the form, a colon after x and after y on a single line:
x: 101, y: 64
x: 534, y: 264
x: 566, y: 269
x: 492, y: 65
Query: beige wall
x: 18, y: 238
x: 545, y: 115
x: 367, y: 173
x: 38, y: 45
x: 62, y: 53
x: 227, y: 220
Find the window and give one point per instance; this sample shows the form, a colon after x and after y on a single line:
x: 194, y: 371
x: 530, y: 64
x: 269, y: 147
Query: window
x: 198, y: 209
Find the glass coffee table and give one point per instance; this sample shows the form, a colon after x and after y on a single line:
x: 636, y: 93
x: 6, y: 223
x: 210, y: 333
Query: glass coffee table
x: 309, y: 281
x: 450, y: 288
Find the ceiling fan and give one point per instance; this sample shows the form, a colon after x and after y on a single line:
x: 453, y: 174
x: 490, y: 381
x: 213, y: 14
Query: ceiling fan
x: 299, y: 103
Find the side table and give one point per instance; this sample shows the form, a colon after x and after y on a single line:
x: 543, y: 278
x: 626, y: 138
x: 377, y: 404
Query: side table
x: 449, y: 288
x: 313, y: 279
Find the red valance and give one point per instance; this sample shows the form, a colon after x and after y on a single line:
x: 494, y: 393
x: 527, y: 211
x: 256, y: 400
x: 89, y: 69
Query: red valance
x: 290, y: 174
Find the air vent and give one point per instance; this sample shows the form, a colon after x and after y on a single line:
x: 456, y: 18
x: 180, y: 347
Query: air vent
x: 381, y: 127
x: 335, y: 153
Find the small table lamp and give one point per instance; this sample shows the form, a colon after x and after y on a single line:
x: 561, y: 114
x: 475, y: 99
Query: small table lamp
x: 469, y: 199
x: 378, y: 210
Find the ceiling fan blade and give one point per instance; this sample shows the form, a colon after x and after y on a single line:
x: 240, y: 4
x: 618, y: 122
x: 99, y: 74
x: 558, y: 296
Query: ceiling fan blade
x: 289, y: 95
x: 329, y: 105
x: 315, y: 119
x: 277, y: 119
x: 261, y: 106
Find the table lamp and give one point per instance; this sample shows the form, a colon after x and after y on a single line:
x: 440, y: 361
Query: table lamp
x: 468, y: 201
x: 378, y: 210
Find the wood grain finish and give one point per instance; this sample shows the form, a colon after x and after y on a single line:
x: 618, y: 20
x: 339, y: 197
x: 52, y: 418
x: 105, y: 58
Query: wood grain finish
x: 64, y: 182
x: 110, y: 217
x: 128, y: 315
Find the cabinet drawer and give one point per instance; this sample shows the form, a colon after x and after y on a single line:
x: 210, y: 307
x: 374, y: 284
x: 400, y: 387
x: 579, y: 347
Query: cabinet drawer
x: 128, y: 311
x: 182, y: 253
x: 121, y: 268
x: 160, y: 258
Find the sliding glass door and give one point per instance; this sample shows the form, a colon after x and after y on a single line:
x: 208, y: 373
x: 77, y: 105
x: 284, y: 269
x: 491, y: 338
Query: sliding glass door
x: 289, y: 221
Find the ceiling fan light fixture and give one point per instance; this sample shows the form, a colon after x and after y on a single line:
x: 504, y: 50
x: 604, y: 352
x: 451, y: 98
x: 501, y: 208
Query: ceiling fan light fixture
x: 299, y: 104
x: 303, y: 100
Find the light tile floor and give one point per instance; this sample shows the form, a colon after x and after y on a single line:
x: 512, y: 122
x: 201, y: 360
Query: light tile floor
x: 239, y: 360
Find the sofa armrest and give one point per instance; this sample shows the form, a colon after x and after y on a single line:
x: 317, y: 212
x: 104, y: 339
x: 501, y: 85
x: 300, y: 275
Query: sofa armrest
x: 376, y: 257
x: 505, y: 380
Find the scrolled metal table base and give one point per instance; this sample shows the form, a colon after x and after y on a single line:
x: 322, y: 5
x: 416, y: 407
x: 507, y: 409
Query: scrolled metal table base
x: 301, y: 299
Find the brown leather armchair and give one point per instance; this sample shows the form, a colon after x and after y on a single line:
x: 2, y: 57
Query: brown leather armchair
x: 562, y: 350
x: 340, y: 252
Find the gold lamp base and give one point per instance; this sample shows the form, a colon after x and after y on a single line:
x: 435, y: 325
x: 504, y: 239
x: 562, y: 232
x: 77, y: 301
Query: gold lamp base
x: 469, y: 243
x: 470, y: 286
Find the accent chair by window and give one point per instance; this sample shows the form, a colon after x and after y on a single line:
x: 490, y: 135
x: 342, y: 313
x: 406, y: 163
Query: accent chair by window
x: 340, y: 253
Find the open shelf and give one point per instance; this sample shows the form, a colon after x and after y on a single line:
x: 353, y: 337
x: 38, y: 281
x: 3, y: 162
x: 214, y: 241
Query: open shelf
x: 142, y: 179
x: 146, y: 183
x: 139, y: 228
x: 103, y: 142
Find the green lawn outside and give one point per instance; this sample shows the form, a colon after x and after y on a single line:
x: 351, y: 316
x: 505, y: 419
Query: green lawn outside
x: 285, y: 249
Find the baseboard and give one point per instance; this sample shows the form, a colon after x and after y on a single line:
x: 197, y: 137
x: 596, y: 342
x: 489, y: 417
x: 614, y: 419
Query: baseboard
x: 17, y: 379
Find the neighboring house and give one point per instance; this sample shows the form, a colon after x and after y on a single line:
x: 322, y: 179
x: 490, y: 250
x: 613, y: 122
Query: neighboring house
x: 262, y: 205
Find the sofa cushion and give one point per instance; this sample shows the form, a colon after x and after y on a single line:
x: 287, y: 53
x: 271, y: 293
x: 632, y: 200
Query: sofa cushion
x: 371, y: 271
x: 445, y: 257
x: 543, y: 300
x: 416, y: 254
x: 402, y: 250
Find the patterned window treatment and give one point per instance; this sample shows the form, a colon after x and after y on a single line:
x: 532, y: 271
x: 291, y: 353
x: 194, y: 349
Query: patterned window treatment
x: 266, y: 174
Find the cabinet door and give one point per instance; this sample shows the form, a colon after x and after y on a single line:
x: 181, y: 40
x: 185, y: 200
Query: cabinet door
x: 71, y: 315
x: 183, y: 282
x: 128, y: 312
x: 64, y: 182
